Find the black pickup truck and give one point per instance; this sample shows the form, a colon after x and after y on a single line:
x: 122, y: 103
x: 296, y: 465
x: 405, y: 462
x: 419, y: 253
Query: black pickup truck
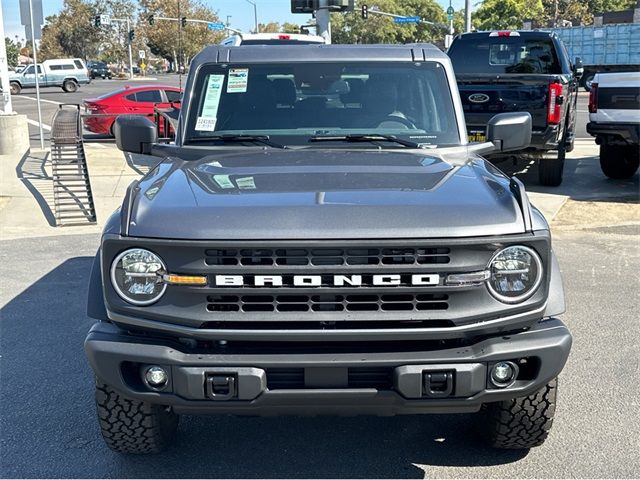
x: 529, y: 71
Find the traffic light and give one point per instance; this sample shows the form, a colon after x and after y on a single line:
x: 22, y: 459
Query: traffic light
x: 365, y: 11
x: 151, y: 20
x: 96, y: 21
x: 304, y: 6
x: 132, y: 35
x: 183, y: 21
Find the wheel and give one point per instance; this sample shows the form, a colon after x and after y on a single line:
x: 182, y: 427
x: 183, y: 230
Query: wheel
x: 70, y: 86
x: 520, y: 423
x: 587, y: 80
x: 550, y: 170
x: 619, y: 161
x: 15, y: 88
x: 132, y: 426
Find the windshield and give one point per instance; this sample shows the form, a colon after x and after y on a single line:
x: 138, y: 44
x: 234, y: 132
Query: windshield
x: 293, y: 103
x: 504, y: 55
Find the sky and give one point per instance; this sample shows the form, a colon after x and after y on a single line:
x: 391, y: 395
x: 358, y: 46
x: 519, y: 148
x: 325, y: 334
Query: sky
x: 241, y: 12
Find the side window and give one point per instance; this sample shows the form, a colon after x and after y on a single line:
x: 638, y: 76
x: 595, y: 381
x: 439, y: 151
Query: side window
x: 131, y: 97
x: 39, y: 69
x: 78, y: 64
x: 55, y: 67
x: 67, y: 66
x: 149, y: 96
x: 173, y: 96
x: 29, y: 70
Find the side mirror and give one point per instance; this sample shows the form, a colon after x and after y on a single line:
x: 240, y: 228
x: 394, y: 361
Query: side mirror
x: 135, y: 133
x: 578, y: 68
x: 510, y: 131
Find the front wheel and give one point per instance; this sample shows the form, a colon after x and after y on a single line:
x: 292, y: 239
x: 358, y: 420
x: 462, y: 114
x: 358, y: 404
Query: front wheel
x: 132, y: 426
x: 619, y: 161
x: 15, y: 88
x: 70, y: 86
x: 587, y: 81
x: 521, y: 423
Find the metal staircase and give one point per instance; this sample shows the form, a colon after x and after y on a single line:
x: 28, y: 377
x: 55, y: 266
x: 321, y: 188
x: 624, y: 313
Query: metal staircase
x: 73, y: 200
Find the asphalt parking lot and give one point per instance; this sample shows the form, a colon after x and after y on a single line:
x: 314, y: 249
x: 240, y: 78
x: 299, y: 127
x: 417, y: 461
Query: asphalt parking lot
x: 48, y: 425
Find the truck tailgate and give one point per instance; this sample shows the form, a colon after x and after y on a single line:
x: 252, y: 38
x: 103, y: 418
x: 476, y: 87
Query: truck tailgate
x: 484, y: 96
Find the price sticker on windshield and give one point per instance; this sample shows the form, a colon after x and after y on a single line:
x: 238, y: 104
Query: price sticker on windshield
x: 207, y: 119
x: 238, y: 80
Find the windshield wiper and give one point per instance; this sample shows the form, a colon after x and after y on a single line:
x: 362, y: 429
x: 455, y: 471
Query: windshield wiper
x: 262, y: 139
x: 365, y: 138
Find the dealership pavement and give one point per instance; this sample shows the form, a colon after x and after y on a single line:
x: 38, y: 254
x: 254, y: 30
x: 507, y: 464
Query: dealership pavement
x: 47, y: 417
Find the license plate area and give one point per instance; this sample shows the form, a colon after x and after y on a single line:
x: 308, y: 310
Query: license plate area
x: 477, y: 135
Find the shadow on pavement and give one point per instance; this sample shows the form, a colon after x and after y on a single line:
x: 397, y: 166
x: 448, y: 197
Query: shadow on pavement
x: 31, y: 172
x: 583, y: 181
x: 49, y: 427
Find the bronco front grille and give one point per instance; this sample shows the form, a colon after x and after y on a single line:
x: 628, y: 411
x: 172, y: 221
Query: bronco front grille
x: 287, y: 257
x: 400, y: 302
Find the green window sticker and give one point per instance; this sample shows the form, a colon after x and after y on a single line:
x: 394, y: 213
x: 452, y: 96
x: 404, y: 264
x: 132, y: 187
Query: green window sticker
x: 207, y: 119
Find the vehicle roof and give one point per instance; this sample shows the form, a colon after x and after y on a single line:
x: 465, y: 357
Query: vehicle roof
x: 522, y: 33
x: 55, y: 60
x: 319, y: 53
x: 130, y: 88
x: 277, y: 36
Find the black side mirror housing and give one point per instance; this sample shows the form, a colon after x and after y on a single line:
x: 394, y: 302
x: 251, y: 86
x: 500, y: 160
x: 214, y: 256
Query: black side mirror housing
x: 578, y: 68
x: 135, y: 133
x: 510, y: 131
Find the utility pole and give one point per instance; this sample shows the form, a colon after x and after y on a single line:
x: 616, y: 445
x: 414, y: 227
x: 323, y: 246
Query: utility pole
x: 467, y: 15
x: 323, y: 20
x: 35, y: 66
x: 4, y: 69
x: 130, y: 41
x: 255, y: 15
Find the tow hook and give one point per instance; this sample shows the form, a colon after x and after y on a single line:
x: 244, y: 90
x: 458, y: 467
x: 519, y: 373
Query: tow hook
x: 221, y: 386
x: 438, y: 384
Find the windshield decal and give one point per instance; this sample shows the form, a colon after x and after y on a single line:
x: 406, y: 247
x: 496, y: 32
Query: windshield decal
x: 207, y: 120
x: 238, y: 80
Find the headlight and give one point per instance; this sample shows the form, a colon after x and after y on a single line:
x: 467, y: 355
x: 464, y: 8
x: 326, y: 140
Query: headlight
x: 516, y: 273
x: 134, y: 275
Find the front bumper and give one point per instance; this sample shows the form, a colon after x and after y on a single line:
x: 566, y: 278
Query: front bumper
x: 118, y: 359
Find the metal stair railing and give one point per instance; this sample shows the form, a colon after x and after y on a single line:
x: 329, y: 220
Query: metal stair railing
x: 73, y: 200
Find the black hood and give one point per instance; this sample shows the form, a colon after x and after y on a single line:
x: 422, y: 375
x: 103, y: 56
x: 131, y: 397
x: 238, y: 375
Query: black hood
x: 324, y: 194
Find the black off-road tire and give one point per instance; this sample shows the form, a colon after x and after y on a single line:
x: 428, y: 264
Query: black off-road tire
x: 70, y: 86
x: 132, y: 426
x: 551, y: 170
x: 521, y: 423
x: 15, y: 88
x: 619, y: 161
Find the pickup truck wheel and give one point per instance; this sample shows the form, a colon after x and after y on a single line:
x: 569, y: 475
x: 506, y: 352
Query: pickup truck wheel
x: 550, y: 170
x: 587, y: 81
x: 521, y: 423
x: 132, y: 426
x: 70, y: 86
x: 15, y: 88
x: 619, y: 161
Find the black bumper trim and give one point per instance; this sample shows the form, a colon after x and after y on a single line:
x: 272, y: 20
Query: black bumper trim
x: 628, y: 132
x: 107, y: 347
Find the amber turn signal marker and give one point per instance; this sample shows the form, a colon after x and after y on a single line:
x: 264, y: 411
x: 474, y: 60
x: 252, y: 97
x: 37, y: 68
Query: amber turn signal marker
x: 184, y: 279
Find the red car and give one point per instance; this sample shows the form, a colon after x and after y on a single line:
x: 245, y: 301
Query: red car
x: 128, y: 100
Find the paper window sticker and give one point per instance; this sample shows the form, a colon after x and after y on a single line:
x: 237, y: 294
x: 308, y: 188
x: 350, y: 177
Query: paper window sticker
x: 246, y: 183
x: 205, y: 124
x: 238, y: 80
x: 223, y: 181
x: 212, y: 96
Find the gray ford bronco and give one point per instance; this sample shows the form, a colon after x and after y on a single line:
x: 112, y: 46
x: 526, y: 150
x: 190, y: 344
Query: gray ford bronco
x: 321, y: 238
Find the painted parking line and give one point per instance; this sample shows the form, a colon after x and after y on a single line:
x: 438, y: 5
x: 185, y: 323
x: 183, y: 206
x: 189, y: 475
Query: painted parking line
x: 35, y: 124
x: 35, y: 99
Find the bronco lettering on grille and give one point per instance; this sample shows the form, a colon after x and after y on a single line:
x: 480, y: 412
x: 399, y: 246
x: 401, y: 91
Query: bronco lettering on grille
x: 387, y: 280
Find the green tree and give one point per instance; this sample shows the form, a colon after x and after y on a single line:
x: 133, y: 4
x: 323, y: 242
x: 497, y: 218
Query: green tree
x: 71, y: 32
x: 288, y: 27
x: 271, y: 27
x: 506, y: 14
x: 13, y: 50
x: 351, y: 28
x: 167, y: 39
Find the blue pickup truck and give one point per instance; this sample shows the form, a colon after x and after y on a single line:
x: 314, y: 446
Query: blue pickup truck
x: 68, y: 73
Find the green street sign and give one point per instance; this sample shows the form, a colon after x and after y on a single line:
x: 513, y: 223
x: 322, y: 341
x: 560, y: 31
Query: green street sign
x: 450, y: 11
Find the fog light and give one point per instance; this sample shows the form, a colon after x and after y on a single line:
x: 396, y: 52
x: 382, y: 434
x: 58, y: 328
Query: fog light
x: 156, y: 377
x: 503, y: 373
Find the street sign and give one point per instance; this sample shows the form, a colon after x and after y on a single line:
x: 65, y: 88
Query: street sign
x: 407, y: 19
x: 38, y: 19
x: 215, y: 26
x: 105, y: 20
x: 141, y: 54
x: 449, y: 17
x: 450, y: 11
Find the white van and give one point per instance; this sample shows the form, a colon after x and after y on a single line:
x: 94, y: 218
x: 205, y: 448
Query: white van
x: 272, y: 39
